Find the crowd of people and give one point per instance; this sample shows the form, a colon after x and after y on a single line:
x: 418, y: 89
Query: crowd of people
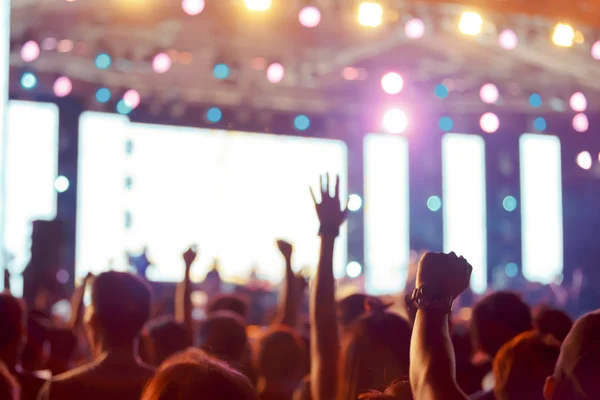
x: 116, y: 347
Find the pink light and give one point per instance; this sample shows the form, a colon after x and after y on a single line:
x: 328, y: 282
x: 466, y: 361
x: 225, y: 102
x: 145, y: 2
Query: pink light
x: 395, y: 121
x: 489, y: 122
x: 350, y: 73
x: 259, y: 63
x: 596, y: 50
x: 275, y: 73
x: 49, y: 43
x: 578, y: 102
x: 489, y: 93
x: 192, y: 7
x: 584, y: 160
x: 309, y: 16
x: 581, y: 123
x: 62, y: 86
x: 415, y: 28
x: 508, y: 39
x: 132, y: 98
x: 30, y: 51
x: 392, y: 83
x: 161, y: 63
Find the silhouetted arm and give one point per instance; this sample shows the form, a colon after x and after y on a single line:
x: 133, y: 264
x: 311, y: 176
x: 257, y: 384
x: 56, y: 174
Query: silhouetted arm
x: 183, y: 303
x: 77, y: 303
x: 287, y: 312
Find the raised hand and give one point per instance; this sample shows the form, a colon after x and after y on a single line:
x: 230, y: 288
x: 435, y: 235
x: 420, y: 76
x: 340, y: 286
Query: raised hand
x: 285, y: 248
x: 447, y: 274
x: 329, y: 209
x: 190, y: 255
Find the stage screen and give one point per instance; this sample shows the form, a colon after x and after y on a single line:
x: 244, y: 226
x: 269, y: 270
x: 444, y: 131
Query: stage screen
x: 231, y: 193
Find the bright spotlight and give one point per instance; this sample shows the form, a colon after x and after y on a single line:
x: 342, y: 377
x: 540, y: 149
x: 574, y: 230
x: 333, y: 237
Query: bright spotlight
x: 309, y: 16
x: 434, y: 203
x: 103, y: 95
x: 563, y: 35
x: 61, y: 184
x: 221, y: 71
x: 395, y: 121
x: 511, y: 270
x: 415, y: 28
x: 596, y: 50
x: 257, y: 5
x: 540, y: 124
x: 275, y: 73
x: 535, y: 100
x: 489, y: 93
x: 103, y: 61
x: 508, y: 39
x: 578, y: 102
x: 28, y: 80
x: 353, y: 269
x: 214, y: 115
x: 370, y: 14
x: 123, y: 108
x: 446, y: 124
x: 470, y: 23
x: 441, y: 91
x: 62, y: 86
x: 354, y: 202
x: 581, y: 122
x: 489, y: 122
x: 392, y: 83
x: 192, y: 7
x: 509, y: 203
x: 132, y: 98
x: 161, y: 63
x: 584, y: 160
x: 301, y: 122
x: 30, y: 51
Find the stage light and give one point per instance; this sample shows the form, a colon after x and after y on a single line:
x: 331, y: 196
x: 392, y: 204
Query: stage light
x: 132, y: 98
x: 62, y: 86
x: 192, y: 7
x: 540, y: 124
x: 415, y: 28
x: 30, y: 51
x: 161, y: 63
x: 61, y: 184
x: 508, y: 39
x: 221, y: 71
x: 395, y: 121
x: 301, y: 122
x: 123, y: 108
x: 489, y: 122
x: 392, y: 83
x: 370, y: 14
x: 578, y: 102
x: 470, y: 23
x: 49, y: 44
x: 441, y: 91
x: 584, y: 160
x: 259, y: 63
x: 275, y: 73
x: 511, y: 270
x: 64, y: 46
x: 509, y: 203
x: 214, y: 115
x: 62, y: 276
x: 103, y: 61
x: 28, y: 80
x: 353, y: 269
x: 434, y: 203
x: 446, y: 124
x: 535, y: 100
x: 309, y: 16
x: 350, y: 73
x: 581, y: 123
x: 257, y: 5
x: 103, y: 95
x: 354, y: 202
x: 489, y: 93
x: 596, y: 50
x: 563, y: 35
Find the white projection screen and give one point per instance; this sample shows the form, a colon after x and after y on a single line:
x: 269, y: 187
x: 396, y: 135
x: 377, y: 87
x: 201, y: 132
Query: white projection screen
x: 231, y: 193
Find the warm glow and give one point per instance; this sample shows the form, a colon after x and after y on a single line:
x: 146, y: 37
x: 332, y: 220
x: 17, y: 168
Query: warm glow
x: 257, y: 5
x: 370, y: 14
x: 470, y: 23
x: 563, y: 35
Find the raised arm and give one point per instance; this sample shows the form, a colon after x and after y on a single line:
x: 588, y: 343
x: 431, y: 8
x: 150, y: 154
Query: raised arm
x: 183, y: 303
x: 440, y: 278
x: 323, y: 319
x: 77, y: 303
x: 287, y: 312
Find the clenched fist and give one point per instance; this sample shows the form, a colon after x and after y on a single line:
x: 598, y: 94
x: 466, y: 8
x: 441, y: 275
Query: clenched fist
x: 447, y: 274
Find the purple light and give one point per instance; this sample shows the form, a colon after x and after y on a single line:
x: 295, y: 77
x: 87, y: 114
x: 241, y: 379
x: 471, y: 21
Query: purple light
x: 392, y: 83
x: 578, y: 102
x: 581, y: 123
x: 62, y: 276
x: 395, y: 121
x: 489, y: 122
x: 30, y: 51
x: 309, y: 16
x: 596, y: 50
x: 161, y: 63
x: 415, y: 28
x: 508, y: 39
x: 489, y: 93
x: 132, y: 98
x: 192, y: 7
x: 49, y: 43
x: 62, y: 86
x: 275, y: 73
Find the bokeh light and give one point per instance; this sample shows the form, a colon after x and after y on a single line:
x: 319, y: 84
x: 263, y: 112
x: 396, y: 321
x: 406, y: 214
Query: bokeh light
x: 309, y: 16
x: 441, y: 91
x: 61, y: 184
x: 596, y: 50
x: 257, y: 5
x: 470, y: 23
x: 540, y: 124
x: 354, y: 202
x: 103, y: 95
x: 392, y: 83
x: 395, y: 121
x: 434, y: 203
x: 49, y: 44
x: 62, y: 86
x: 489, y: 122
x: 415, y: 28
x: 489, y: 93
x: 578, y: 102
x: 123, y: 108
x: 28, y: 80
x: 508, y: 39
x: 584, y: 160
x: 350, y: 73
x: 161, y: 63
x: 214, y: 115
x: 446, y: 124
x: 192, y: 7
x: 511, y: 270
x: 30, y: 51
x: 132, y: 98
x: 62, y: 276
x: 275, y: 73
x: 581, y: 122
x: 370, y: 14
x: 221, y: 71
x: 353, y: 269
x: 563, y: 35
x: 103, y: 61
x: 301, y: 122
x: 259, y: 63
x: 64, y: 46
x: 509, y: 203
x: 535, y: 100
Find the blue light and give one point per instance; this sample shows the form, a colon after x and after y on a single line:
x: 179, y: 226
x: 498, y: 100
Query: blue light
x: 214, y: 115
x: 434, y: 203
x: 441, y: 91
x: 535, y: 100
x: 446, y: 124
x: 511, y: 270
x: 103, y: 95
x: 509, y: 203
x: 28, y: 80
x: 302, y: 122
x: 103, y: 61
x: 221, y: 71
x: 540, y: 124
x: 123, y: 108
